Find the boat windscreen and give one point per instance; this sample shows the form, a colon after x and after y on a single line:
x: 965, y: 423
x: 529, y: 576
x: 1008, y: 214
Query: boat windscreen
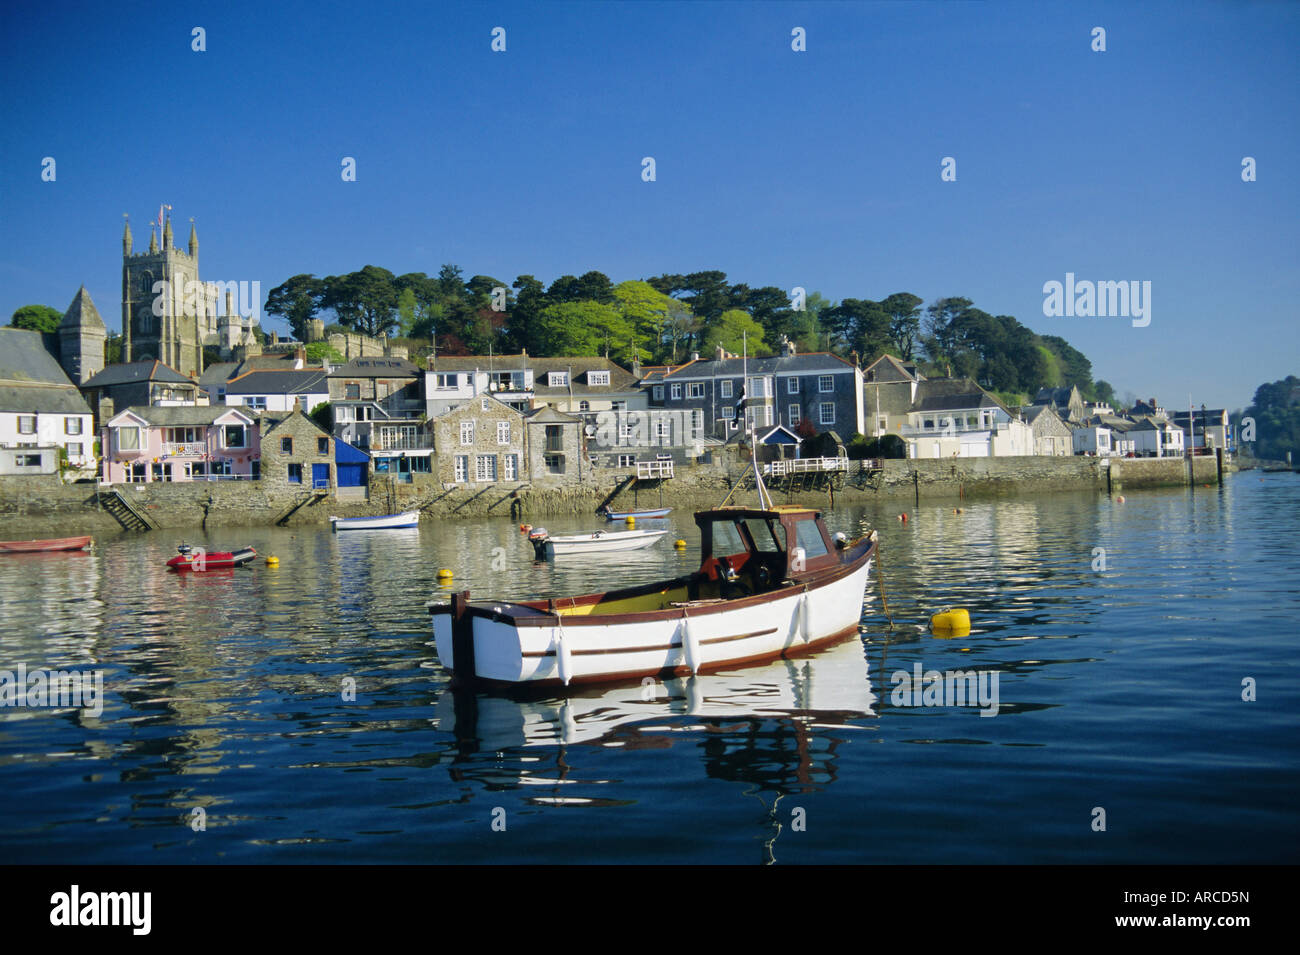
x: 726, y: 538
x: 769, y: 536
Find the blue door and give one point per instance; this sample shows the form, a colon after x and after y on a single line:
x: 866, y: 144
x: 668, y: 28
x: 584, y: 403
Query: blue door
x: 320, y: 475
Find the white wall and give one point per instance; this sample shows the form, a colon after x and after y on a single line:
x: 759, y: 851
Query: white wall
x: 51, y: 429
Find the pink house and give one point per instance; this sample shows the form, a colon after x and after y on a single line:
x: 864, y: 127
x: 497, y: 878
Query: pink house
x: 181, y: 443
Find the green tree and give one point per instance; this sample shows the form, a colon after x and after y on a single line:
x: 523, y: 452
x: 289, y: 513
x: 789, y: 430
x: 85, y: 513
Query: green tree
x: 1104, y: 391
x: 649, y: 312
x: 583, y: 328
x: 735, y: 331
x: 316, y: 351
x: 297, y: 301
x: 904, y: 311
x: 37, y: 318
x: 365, y: 301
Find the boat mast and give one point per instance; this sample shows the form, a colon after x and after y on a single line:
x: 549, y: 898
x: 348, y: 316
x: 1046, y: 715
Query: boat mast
x: 764, y: 501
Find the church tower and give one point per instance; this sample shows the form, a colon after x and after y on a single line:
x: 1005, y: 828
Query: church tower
x: 81, y: 339
x: 163, y: 302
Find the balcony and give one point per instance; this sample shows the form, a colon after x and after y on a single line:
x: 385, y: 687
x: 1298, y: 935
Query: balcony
x: 379, y: 441
x: 184, y: 449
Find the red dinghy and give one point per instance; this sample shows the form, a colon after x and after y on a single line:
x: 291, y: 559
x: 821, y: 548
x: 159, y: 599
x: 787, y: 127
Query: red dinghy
x: 197, y: 559
x: 32, y: 547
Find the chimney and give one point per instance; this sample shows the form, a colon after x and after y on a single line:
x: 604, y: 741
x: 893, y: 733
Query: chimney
x: 719, y: 353
x: 297, y: 405
x: 299, y: 358
x: 636, y: 365
x: 695, y: 356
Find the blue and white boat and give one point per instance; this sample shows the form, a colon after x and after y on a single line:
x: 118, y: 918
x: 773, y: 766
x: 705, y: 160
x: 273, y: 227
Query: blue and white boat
x: 383, y: 522
x: 624, y: 515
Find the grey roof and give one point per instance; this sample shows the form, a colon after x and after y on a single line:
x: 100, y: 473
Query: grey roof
x: 135, y: 371
x: 305, y: 381
x: 31, y: 381
x: 217, y: 374
x: 888, y: 368
x: 620, y: 379
x: 82, y: 313
x: 378, y: 367
x: 548, y: 415
x: 808, y: 363
x: 168, y: 416
x: 950, y: 394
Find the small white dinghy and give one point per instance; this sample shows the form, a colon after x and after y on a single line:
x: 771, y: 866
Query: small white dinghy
x: 545, y: 546
x: 383, y: 522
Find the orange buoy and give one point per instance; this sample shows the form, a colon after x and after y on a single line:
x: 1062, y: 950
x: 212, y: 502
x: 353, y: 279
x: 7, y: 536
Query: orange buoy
x: 525, y: 528
x: 1120, y: 499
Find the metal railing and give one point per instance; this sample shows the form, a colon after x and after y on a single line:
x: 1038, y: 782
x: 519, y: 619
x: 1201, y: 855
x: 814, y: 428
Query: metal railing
x: 805, y: 466
x: 403, y: 442
x: 654, y: 469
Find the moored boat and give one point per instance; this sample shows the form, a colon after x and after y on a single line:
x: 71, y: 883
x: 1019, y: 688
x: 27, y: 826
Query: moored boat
x: 383, y: 522
x: 39, y: 546
x: 772, y: 582
x: 601, y: 542
x: 199, y: 559
x: 637, y: 515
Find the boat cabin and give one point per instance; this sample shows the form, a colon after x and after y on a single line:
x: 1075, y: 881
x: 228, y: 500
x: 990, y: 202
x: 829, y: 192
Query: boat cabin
x: 749, y: 550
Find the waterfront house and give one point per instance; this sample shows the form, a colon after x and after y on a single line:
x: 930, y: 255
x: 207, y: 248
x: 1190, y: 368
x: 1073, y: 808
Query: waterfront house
x: 1212, y: 429
x: 581, y: 385
x: 1051, y: 435
x: 788, y: 389
x: 139, y: 383
x: 43, y: 416
x: 553, y: 447
x: 889, y: 389
x: 295, y: 453
x: 278, y: 391
x: 1156, y: 437
x: 147, y: 443
x: 480, y: 441
x: 955, y: 417
x: 1092, y: 439
x: 377, y: 404
x: 1066, y: 402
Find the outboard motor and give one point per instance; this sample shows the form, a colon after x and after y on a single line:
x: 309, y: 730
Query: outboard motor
x: 538, y: 538
x: 184, y: 549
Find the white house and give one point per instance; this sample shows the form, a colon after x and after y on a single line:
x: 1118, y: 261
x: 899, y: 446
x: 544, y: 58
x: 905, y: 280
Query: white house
x: 954, y: 417
x: 1155, y: 438
x: 267, y: 390
x: 40, y: 407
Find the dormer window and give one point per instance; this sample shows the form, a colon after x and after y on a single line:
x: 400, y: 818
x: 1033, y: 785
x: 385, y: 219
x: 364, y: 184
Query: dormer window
x: 598, y: 378
x: 557, y: 379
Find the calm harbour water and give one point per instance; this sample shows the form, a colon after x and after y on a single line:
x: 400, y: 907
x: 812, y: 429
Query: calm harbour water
x: 1119, y: 689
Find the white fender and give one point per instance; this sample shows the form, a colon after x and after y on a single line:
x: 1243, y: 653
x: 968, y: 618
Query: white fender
x: 563, y: 661
x: 805, y: 618
x: 690, y: 646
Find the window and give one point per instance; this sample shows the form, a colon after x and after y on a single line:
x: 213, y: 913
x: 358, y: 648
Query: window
x: 618, y: 406
x: 697, y: 420
x: 810, y: 539
x: 462, y: 467
x: 675, y: 392
x: 695, y: 389
x: 554, y: 463
x: 286, y: 445
x: 486, y: 405
x: 792, y: 386
x: 557, y: 379
x: 27, y: 424
x: 724, y: 389
x: 627, y: 460
x: 663, y: 432
x: 234, y: 436
x: 74, y: 449
x: 72, y: 426
x: 27, y: 460
x: 322, y: 445
x: 420, y: 465
x: 467, y: 432
x: 485, y: 467
x: 826, y: 383
x: 626, y: 430
x: 128, y: 439
x: 445, y: 382
x: 760, y: 388
x: 657, y: 392
x: 352, y: 391
x: 256, y: 402
x: 795, y: 414
x: 512, y: 467
x: 584, y: 405
x: 882, y: 423
x: 295, y: 473
x: 554, y: 438
x: 827, y: 412
x: 503, y: 432
x: 728, y: 411
x: 598, y: 378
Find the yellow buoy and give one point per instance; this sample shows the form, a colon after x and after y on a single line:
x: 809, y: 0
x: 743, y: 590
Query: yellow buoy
x: 445, y: 574
x: 273, y: 562
x: 951, y: 622
x: 679, y: 544
x: 630, y: 521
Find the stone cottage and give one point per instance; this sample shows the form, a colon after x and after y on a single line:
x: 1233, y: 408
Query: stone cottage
x: 480, y: 441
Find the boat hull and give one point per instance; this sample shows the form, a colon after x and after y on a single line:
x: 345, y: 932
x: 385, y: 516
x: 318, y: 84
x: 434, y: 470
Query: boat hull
x: 43, y: 546
x: 197, y: 562
x: 601, y: 542
x: 386, y: 522
x: 512, y: 645
x: 638, y: 515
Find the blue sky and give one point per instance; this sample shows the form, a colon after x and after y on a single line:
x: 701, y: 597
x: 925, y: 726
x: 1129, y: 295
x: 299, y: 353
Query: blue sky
x: 818, y: 169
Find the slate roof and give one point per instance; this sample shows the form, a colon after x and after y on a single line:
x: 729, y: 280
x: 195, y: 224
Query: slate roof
x: 31, y: 381
x: 377, y: 367
x: 82, y: 313
x: 548, y: 415
x: 951, y: 394
x: 305, y: 381
x: 887, y: 368
x: 217, y: 374
x: 807, y: 363
x: 620, y: 379
x: 136, y: 371
x: 172, y: 416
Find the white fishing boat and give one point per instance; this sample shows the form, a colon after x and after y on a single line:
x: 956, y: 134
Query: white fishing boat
x: 384, y: 522
x: 545, y: 546
x: 772, y: 583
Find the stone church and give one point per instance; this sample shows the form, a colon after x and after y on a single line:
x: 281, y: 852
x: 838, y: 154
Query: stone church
x: 172, y: 322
